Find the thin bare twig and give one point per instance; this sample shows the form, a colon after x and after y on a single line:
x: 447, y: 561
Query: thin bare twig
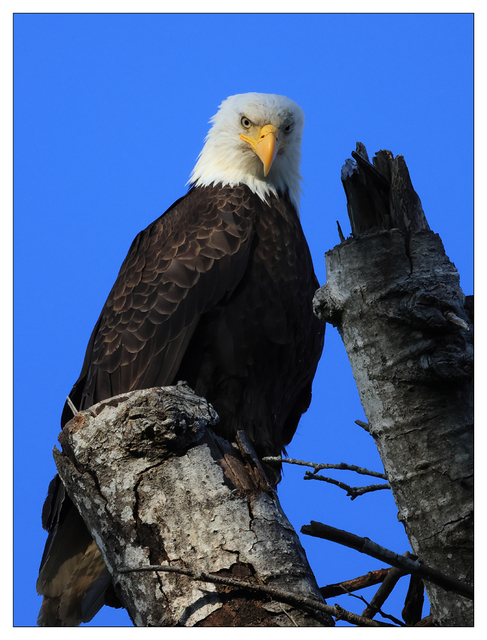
x: 278, y: 594
x: 318, y: 466
x: 353, y: 492
x: 289, y: 615
x: 70, y: 404
x: 343, y: 614
x: 378, y: 610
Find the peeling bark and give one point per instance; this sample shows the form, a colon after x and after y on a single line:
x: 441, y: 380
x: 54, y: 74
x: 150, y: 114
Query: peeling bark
x: 396, y: 300
x: 156, y: 486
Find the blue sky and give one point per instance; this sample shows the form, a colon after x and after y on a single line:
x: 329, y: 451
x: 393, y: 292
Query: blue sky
x: 110, y: 113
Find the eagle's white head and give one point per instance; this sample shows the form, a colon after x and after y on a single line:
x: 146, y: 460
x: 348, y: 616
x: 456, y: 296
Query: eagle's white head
x: 255, y: 140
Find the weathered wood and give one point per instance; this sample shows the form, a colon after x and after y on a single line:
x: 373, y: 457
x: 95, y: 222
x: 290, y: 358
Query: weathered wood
x: 156, y: 486
x: 381, y: 195
x: 396, y: 300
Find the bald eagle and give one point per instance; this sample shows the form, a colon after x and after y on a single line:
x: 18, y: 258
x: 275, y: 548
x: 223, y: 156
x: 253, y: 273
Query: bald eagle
x: 217, y: 292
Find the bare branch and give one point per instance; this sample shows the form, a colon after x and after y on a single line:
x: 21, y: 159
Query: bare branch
x: 70, y: 404
x: 384, y: 591
x: 347, y: 586
x: 297, y: 601
x: 365, y: 425
x: 353, y: 492
x: 413, y: 605
x: 343, y: 614
x: 364, y: 545
x: 399, y: 623
x: 318, y: 466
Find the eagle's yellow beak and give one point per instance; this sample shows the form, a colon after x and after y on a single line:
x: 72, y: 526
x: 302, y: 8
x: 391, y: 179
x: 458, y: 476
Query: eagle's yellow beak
x: 264, y: 143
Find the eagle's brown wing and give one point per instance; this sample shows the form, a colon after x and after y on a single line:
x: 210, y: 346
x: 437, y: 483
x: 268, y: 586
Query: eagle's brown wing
x: 177, y: 269
x: 182, y: 265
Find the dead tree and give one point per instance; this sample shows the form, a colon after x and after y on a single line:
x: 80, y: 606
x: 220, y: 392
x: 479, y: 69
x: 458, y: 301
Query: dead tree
x: 395, y: 298
x: 187, y: 523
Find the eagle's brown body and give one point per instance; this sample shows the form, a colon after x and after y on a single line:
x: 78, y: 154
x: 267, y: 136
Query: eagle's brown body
x: 218, y: 292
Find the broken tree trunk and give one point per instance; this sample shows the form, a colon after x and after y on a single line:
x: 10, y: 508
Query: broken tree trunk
x: 396, y: 300
x: 156, y: 486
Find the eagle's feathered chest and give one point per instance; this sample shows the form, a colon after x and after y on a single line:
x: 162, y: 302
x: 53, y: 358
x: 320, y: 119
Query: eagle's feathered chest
x: 256, y: 351
x: 218, y: 291
x: 277, y: 288
x: 281, y: 250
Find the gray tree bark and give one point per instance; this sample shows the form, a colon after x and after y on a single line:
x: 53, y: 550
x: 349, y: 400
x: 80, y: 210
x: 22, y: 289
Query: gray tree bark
x: 156, y: 486
x: 396, y: 300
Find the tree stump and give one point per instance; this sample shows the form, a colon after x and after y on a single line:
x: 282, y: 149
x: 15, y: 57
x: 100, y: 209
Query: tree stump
x: 396, y: 300
x: 156, y: 486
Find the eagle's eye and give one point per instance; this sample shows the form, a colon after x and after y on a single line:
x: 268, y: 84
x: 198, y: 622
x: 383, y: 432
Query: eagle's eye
x: 245, y: 122
x: 287, y: 128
